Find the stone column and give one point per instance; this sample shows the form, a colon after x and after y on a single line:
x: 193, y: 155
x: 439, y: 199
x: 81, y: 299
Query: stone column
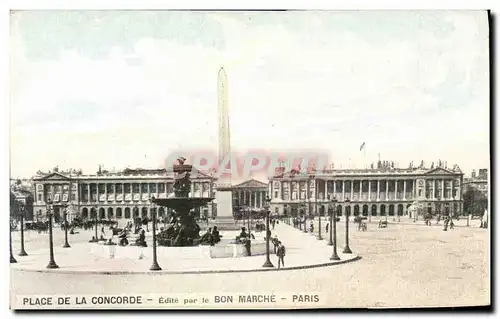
x: 404, y: 189
x: 360, y: 189
x: 369, y: 196
x: 434, y: 184
x: 334, y: 188
x: 396, y: 189
x: 106, y: 193
x: 140, y: 196
x: 343, y: 189
x: 414, y: 185
x: 89, y: 198
x: 442, y: 189
x: 325, y: 195
x: 386, y: 192
x: 352, y: 189
x: 98, y: 195
x: 378, y: 190
x: 261, y: 199
x: 123, y: 195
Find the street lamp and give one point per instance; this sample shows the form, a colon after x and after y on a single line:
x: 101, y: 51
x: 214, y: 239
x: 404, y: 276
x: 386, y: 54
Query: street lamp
x: 22, y: 210
x: 347, y: 250
x: 95, y: 239
x: 319, y: 212
x: 267, y: 263
x: 155, y: 265
x: 12, y: 259
x: 331, y: 210
x: 52, y: 264
x: 65, y: 220
x: 333, y: 224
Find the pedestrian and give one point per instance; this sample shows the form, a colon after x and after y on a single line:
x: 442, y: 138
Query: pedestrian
x: 452, y: 225
x: 281, y: 255
x: 275, y: 242
x: 311, y: 227
x: 327, y: 225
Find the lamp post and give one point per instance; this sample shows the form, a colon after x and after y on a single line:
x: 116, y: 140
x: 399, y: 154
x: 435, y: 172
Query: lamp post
x: 331, y: 210
x: 318, y: 211
x: 22, y: 210
x: 299, y: 219
x: 347, y: 249
x: 12, y: 259
x: 249, y: 223
x: 96, y: 213
x: 52, y: 264
x: 154, y: 266
x: 267, y: 263
x: 65, y: 220
x: 333, y: 225
x: 415, y: 211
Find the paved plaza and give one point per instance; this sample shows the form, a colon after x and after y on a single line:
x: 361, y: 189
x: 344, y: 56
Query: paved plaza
x: 407, y: 264
x: 82, y: 258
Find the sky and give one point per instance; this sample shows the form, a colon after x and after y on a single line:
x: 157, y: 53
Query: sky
x: 126, y: 88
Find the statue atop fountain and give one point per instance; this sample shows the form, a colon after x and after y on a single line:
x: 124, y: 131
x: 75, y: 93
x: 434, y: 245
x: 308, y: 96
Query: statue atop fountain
x: 183, y: 229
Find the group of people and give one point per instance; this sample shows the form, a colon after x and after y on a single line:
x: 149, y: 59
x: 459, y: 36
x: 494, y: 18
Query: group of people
x: 279, y: 251
x: 211, y: 236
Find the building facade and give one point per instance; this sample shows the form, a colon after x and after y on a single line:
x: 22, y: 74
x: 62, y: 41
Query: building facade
x: 371, y: 192
x: 478, y: 181
x: 122, y: 195
x: 252, y: 193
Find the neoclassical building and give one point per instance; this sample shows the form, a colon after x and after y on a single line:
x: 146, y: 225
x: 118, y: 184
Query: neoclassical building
x: 121, y: 195
x: 251, y: 193
x: 386, y: 191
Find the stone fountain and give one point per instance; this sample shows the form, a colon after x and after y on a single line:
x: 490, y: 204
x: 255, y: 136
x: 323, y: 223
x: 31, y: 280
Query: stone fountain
x: 183, y: 230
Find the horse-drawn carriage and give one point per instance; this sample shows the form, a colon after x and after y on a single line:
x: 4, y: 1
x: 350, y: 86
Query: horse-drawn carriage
x: 361, y: 221
x: 383, y: 224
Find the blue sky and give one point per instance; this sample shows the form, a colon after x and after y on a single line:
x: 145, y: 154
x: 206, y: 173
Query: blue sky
x: 125, y: 88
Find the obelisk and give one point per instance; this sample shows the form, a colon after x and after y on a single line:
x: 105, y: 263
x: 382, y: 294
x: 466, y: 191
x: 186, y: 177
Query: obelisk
x: 224, y: 193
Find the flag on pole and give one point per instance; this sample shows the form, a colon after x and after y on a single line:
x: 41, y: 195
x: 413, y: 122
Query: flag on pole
x: 362, y: 146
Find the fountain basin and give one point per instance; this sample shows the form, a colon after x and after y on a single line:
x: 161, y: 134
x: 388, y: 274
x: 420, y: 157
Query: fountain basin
x: 221, y: 250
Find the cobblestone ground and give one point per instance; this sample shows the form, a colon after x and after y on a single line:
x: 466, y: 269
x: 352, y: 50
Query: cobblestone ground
x: 403, y: 265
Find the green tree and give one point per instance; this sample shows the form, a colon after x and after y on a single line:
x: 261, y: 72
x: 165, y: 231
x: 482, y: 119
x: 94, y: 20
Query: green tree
x: 475, y: 202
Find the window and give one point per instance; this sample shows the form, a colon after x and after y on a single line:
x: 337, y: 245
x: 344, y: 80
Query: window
x: 276, y: 194
x: 419, y: 193
x: 39, y: 197
x: 73, y: 196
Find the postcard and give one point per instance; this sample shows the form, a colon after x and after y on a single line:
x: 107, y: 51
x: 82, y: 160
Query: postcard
x: 249, y: 159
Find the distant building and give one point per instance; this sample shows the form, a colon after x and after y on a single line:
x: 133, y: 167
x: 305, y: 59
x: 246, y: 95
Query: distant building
x: 378, y: 191
x: 478, y: 180
x: 21, y: 193
x: 115, y: 195
x: 251, y: 193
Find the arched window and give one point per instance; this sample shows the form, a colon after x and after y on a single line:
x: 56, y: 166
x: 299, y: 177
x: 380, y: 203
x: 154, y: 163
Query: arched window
x: 391, y: 210
x: 119, y: 212
x: 101, y: 213
x: 365, y: 210
x: 85, y: 213
x: 110, y: 213
x: 356, y: 210
x: 127, y: 212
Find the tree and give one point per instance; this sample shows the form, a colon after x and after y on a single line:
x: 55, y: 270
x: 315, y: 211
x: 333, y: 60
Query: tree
x: 475, y: 202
